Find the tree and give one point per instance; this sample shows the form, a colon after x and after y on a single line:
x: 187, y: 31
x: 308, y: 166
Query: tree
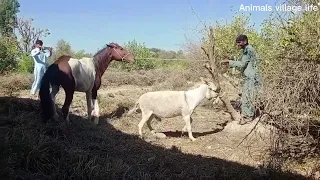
x: 141, y: 52
x: 29, y: 34
x: 82, y: 53
x: 8, y: 16
x: 62, y: 48
x: 9, y: 52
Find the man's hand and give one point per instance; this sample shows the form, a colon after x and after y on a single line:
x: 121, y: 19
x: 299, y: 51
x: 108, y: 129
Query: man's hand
x: 50, y: 49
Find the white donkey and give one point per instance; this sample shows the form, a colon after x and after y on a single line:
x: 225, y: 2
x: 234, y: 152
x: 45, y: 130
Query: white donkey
x: 167, y: 104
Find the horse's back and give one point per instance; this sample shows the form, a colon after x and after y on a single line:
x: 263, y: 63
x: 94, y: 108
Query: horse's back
x: 83, y: 72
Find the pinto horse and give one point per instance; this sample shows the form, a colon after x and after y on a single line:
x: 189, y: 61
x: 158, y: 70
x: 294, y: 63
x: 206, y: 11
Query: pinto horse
x: 82, y: 75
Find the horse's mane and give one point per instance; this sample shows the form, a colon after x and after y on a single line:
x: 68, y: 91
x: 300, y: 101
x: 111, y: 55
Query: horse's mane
x: 101, y: 50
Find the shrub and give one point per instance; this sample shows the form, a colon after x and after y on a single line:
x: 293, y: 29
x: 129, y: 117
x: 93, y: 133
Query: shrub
x: 9, y: 51
x: 25, y: 63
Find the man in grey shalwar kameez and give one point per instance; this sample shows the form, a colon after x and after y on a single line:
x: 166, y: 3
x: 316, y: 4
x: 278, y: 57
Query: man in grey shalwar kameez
x: 248, y: 63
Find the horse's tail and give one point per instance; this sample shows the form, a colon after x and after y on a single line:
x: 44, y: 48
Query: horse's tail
x: 134, y: 109
x: 46, y: 103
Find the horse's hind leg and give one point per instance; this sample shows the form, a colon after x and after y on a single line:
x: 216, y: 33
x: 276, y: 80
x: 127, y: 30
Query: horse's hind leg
x: 54, y: 91
x: 67, y: 102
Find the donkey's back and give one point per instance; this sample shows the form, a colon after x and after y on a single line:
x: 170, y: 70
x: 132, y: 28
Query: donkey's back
x: 163, y: 103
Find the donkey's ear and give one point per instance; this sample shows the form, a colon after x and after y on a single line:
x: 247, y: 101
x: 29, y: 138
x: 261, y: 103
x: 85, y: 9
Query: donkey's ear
x: 203, y: 80
x: 109, y: 45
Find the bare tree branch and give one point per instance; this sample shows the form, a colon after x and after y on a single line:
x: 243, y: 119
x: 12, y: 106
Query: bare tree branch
x: 29, y: 34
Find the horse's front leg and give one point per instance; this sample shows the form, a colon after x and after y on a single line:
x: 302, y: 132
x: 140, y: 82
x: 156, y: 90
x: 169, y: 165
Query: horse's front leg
x: 89, y: 104
x: 95, y: 111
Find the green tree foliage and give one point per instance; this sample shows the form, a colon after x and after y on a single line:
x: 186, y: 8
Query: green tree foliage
x: 25, y: 63
x: 163, y: 54
x: 81, y: 53
x: 141, y: 52
x: 64, y: 48
x: 9, y: 51
x: 8, y: 16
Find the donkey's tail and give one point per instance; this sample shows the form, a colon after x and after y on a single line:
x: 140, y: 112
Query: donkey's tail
x: 134, y: 109
x: 46, y: 103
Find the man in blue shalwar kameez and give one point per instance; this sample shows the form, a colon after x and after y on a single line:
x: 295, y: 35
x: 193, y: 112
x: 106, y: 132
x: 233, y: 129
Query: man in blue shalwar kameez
x: 248, y: 63
x: 40, y: 57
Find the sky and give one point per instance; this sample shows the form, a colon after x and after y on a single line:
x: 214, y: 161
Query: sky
x: 90, y: 24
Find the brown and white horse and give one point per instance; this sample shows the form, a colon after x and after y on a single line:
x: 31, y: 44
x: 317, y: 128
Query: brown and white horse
x: 82, y: 75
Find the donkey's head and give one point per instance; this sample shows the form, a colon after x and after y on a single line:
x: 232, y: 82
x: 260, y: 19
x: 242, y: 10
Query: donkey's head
x: 119, y: 53
x: 211, y: 89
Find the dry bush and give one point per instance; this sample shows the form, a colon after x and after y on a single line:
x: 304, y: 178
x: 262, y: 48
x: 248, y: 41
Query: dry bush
x: 291, y: 86
x: 15, y: 82
x: 166, y: 77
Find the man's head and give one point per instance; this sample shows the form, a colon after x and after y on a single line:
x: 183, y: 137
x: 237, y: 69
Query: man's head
x: 39, y: 43
x: 242, y: 41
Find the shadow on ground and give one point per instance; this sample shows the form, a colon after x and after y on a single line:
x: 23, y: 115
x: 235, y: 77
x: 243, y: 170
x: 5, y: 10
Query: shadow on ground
x: 195, y: 134
x: 80, y: 150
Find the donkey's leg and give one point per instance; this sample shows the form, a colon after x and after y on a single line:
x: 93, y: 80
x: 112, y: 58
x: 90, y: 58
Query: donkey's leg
x: 149, y: 124
x: 184, y: 129
x: 54, y: 91
x: 188, y: 125
x: 144, y: 119
x: 67, y: 102
x: 89, y: 104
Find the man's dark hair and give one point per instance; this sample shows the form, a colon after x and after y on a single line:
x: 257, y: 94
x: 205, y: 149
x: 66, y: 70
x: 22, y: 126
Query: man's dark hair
x: 39, y: 42
x: 242, y: 37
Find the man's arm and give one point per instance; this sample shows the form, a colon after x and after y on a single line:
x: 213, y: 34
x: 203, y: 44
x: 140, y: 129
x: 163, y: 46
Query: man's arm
x: 35, y: 52
x: 242, y: 63
x: 47, y: 53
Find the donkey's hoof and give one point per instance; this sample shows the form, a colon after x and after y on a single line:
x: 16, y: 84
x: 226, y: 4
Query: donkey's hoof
x: 160, y: 135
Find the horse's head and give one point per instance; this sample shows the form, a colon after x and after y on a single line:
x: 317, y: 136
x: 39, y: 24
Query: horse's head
x: 119, y: 53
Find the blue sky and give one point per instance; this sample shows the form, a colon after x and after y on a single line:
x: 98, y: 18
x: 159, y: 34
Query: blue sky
x: 89, y: 24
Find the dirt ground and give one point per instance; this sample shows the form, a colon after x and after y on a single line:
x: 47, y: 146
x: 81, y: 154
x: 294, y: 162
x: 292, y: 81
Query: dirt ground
x: 217, y: 135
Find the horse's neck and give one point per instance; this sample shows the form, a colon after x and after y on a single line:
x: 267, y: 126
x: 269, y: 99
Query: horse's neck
x: 195, y: 96
x: 101, y: 65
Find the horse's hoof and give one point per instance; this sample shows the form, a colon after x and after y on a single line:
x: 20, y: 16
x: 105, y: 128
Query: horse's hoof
x: 55, y: 117
x: 96, y: 121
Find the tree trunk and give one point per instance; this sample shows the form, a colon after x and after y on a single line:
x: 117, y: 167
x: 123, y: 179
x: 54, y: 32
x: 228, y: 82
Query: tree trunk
x: 213, y: 70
